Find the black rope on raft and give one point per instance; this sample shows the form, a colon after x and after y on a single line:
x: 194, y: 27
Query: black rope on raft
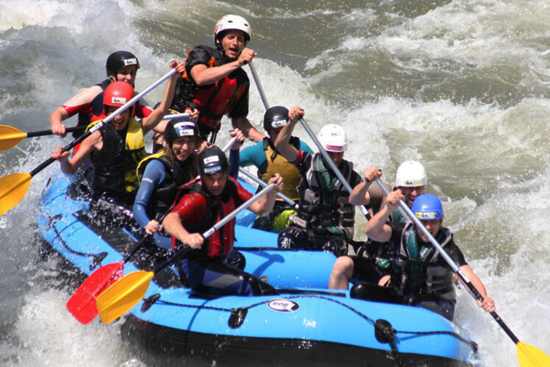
x: 379, y: 326
x: 96, y: 258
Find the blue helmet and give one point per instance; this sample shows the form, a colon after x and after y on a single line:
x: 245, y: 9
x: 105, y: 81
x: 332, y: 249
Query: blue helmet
x: 427, y: 207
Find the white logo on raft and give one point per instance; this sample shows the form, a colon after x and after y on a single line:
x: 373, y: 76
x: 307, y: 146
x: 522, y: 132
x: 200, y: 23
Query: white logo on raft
x: 283, y: 305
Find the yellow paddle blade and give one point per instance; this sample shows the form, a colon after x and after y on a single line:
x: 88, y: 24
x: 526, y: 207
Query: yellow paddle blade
x: 123, y: 295
x: 10, y: 137
x: 12, y: 189
x: 529, y: 356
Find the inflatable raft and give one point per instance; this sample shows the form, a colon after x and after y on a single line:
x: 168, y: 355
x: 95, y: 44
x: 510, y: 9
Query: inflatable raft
x: 304, y: 324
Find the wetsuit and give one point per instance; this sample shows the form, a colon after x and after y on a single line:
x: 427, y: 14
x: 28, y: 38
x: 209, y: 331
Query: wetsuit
x: 160, y: 180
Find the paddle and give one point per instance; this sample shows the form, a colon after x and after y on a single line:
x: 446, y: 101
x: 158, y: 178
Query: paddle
x: 11, y: 136
x: 249, y: 175
x: 528, y: 355
x: 14, y: 187
x: 82, y: 304
x: 123, y: 295
x: 313, y: 137
x: 176, y: 116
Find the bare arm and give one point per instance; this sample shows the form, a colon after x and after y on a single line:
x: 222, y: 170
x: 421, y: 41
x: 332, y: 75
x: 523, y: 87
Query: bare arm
x: 360, y: 194
x: 376, y: 228
x: 283, y: 140
x: 56, y: 121
x: 488, y: 303
x: 264, y: 205
x: 151, y: 121
x: 173, y: 226
x: 92, y: 143
x: 60, y: 114
x: 246, y: 127
x: 203, y: 75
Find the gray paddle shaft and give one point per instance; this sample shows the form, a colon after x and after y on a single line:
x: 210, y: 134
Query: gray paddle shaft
x: 313, y: 137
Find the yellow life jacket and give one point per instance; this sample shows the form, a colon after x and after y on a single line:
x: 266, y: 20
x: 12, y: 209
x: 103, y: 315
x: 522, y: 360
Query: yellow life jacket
x: 276, y: 163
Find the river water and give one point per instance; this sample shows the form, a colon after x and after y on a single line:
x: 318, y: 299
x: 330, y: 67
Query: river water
x: 461, y: 86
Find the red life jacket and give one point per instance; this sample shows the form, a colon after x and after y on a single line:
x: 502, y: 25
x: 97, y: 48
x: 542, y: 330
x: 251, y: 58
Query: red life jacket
x: 215, y: 101
x: 220, y: 243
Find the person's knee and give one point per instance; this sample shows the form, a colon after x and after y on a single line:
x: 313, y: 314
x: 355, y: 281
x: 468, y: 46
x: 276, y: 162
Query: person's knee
x: 343, y: 266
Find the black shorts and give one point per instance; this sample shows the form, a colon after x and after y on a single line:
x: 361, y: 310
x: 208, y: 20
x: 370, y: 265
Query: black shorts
x: 365, y: 270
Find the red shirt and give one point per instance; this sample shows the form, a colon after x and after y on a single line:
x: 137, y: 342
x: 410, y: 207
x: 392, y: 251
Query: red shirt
x: 193, y: 207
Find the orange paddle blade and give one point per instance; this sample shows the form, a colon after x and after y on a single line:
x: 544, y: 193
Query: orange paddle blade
x: 13, y: 188
x: 82, y: 304
x: 10, y: 137
x: 123, y: 295
x: 529, y: 356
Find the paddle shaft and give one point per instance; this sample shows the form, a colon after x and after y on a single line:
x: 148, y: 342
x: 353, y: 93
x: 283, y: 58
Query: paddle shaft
x: 185, y: 249
x: 249, y: 175
x: 473, y: 290
x: 258, y: 85
x: 255, y: 179
x: 108, y: 119
x: 313, y: 137
x: 229, y: 144
x: 176, y: 116
x: 33, y: 134
x: 138, y: 245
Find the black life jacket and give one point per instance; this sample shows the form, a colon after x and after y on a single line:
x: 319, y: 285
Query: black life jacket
x: 324, y: 201
x: 115, y: 164
x: 177, y: 174
x: 417, y: 271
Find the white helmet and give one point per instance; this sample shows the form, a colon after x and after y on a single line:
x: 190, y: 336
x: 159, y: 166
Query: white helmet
x: 333, y: 138
x: 232, y: 22
x: 411, y: 174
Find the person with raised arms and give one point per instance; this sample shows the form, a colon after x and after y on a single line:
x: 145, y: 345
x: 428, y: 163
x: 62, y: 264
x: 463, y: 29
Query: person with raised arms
x: 203, y: 203
x: 325, y: 218
x: 420, y: 275
x: 267, y: 159
x: 121, y: 66
x: 214, y: 82
x: 117, y: 148
x: 372, y: 263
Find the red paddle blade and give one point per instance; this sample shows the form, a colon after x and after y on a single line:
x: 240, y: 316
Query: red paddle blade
x: 82, y: 304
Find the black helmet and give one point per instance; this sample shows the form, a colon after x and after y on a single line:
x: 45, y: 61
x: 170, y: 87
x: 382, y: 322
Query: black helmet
x: 178, y: 128
x: 212, y: 160
x: 275, y: 117
x: 118, y: 60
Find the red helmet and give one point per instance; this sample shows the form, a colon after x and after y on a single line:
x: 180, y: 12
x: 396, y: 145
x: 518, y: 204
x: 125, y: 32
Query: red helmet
x: 117, y: 94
